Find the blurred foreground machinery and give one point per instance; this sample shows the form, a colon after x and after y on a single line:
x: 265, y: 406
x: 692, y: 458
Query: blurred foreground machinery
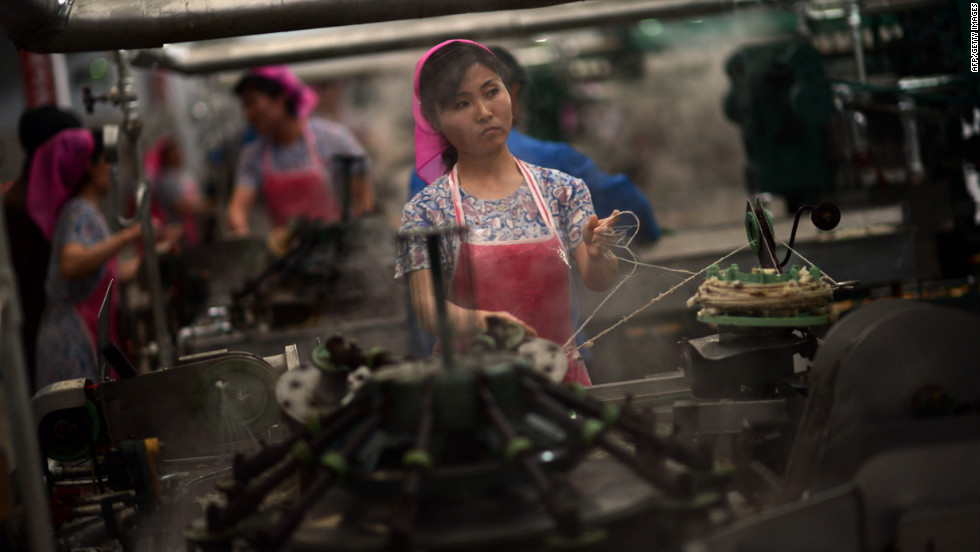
x: 874, y: 447
x: 481, y: 453
x: 886, y: 450
x: 126, y: 457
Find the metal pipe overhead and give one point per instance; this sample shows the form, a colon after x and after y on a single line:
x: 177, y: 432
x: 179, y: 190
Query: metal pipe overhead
x: 396, y: 35
x: 96, y: 25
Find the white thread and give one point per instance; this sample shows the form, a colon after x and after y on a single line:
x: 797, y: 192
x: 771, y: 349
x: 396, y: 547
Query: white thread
x: 626, y: 318
x: 658, y: 267
x: 797, y: 253
x: 636, y: 230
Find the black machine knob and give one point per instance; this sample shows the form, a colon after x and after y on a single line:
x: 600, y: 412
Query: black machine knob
x: 825, y: 216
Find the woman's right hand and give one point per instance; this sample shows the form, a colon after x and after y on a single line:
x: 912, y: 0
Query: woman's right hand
x: 131, y: 233
x: 483, y: 316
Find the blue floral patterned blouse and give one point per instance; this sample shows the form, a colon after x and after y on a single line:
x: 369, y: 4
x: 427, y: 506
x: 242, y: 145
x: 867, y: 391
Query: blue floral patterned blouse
x: 65, y: 349
x: 512, y: 218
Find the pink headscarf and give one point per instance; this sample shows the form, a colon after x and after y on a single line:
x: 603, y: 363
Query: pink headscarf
x: 58, y: 168
x: 306, y: 98
x: 429, y: 142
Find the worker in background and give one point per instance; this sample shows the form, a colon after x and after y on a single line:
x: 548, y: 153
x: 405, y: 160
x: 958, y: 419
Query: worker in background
x: 69, y: 179
x: 29, y: 249
x: 292, y: 162
x: 608, y: 191
x: 525, y: 222
x: 176, y: 194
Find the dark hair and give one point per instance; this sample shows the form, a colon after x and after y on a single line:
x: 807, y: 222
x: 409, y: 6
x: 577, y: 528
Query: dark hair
x: 99, y: 143
x: 267, y: 87
x: 517, y: 73
x: 37, y: 125
x: 443, y: 72
x: 97, y: 153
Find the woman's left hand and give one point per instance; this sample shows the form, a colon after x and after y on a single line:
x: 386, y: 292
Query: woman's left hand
x: 598, y: 234
x: 168, y: 237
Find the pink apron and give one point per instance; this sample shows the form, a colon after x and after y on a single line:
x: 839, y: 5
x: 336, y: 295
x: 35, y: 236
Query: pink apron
x: 527, y: 278
x: 88, y: 310
x: 305, y: 191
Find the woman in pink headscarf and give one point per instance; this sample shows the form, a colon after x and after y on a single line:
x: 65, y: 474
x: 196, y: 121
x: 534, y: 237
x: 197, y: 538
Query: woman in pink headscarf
x: 292, y: 164
x: 526, y: 224
x: 69, y: 178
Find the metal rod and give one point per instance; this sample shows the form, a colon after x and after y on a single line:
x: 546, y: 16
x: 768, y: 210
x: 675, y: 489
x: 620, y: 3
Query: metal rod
x: 857, y: 40
x: 828, y: 12
x: 347, y: 173
x: 628, y: 421
x: 247, y: 467
x: 247, y: 500
x: 132, y: 127
x: 910, y: 131
x: 565, y: 513
x: 20, y: 416
x: 439, y: 292
x: 274, y: 537
x: 676, y: 483
x: 403, y: 525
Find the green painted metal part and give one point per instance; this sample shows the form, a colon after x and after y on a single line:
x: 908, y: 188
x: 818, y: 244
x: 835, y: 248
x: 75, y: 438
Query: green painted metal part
x: 762, y: 278
x: 303, y: 452
x: 765, y: 322
x: 321, y: 357
x: 753, y: 231
x: 590, y: 430
x: 92, y: 417
x: 732, y: 274
x: 517, y: 446
x: 314, y: 425
x: 610, y: 414
x: 416, y: 457
x: 335, y: 461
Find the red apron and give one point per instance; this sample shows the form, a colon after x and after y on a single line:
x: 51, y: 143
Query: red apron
x: 88, y: 310
x: 305, y: 191
x: 528, y: 278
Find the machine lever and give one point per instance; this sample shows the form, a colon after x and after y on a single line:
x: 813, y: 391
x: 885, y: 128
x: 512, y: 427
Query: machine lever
x: 825, y: 216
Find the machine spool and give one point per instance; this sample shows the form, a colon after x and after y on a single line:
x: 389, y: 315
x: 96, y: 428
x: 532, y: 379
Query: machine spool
x: 763, y: 297
x: 768, y: 296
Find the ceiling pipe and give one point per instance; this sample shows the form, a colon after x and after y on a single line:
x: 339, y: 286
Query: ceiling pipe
x: 390, y: 36
x: 98, y: 25
x: 830, y: 11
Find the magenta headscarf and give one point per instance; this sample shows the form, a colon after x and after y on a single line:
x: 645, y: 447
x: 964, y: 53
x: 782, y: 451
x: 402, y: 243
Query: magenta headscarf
x: 429, y: 142
x: 57, y: 170
x: 306, y: 98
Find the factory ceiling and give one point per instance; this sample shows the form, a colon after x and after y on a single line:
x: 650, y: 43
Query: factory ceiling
x: 93, y: 25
